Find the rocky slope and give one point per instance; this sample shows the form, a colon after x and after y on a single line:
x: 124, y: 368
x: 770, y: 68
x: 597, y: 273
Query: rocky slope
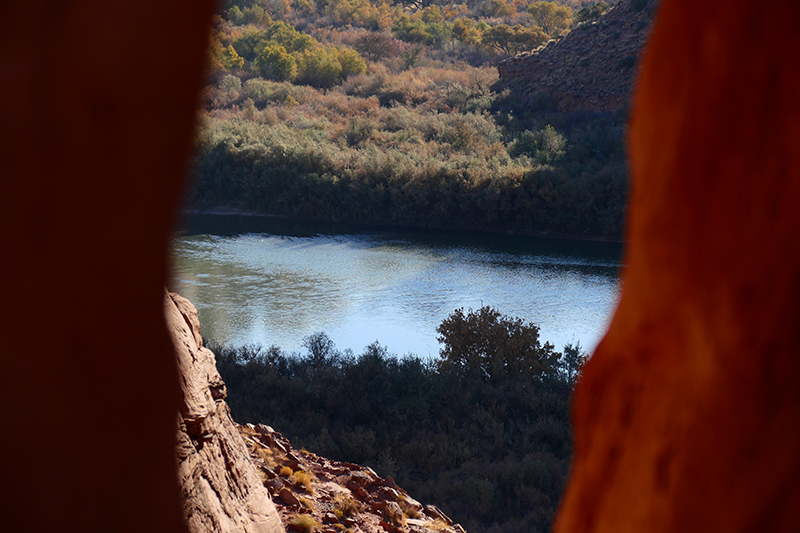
x: 592, y: 68
x: 313, y: 492
x: 248, y: 479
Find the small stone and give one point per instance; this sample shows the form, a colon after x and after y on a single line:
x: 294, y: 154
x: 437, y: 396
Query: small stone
x: 288, y: 498
x: 435, y: 512
x: 388, y: 527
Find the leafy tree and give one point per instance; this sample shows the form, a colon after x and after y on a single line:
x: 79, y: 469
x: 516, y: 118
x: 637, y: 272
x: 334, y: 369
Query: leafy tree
x: 432, y: 14
x: 249, y: 44
x: 274, y: 62
x: 291, y: 39
x: 497, y: 8
x: 231, y: 83
x: 318, y: 67
x: 512, y: 40
x: 376, y: 46
x: 321, y: 350
x: 350, y: 61
x: 551, y: 17
x: 493, y: 345
x: 411, y: 57
x: 545, y: 145
x: 465, y: 31
x: 572, y: 362
x: 254, y: 14
x: 235, y: 15
x: 230, y: 59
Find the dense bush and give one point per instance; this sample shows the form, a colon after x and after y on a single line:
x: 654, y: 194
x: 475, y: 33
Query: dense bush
x: 494, y: 454
x: 427, y: 147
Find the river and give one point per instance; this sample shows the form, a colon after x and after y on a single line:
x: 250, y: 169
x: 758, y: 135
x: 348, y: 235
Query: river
x: 259, y: 280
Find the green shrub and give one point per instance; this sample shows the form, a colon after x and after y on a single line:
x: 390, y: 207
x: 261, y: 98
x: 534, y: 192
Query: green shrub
x: 230, y: 83
x: 275, y: 63
x: 318, y: 67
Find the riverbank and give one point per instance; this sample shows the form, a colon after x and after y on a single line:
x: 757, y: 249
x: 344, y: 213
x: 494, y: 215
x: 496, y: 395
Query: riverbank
x: 337, y: 227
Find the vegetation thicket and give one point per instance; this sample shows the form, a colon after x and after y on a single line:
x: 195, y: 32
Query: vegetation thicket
x: 378, y: 112
x: 483, y: 432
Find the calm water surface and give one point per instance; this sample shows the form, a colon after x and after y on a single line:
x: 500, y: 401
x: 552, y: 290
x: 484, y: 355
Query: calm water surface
x: 266, y: 281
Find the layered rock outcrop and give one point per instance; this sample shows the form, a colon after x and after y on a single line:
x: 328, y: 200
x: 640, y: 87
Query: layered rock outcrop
x: 592, y: 68
x: 220, y: 487
x: 248, y: 479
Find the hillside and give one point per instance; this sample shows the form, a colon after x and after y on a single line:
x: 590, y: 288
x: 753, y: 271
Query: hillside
x: 592, y: 68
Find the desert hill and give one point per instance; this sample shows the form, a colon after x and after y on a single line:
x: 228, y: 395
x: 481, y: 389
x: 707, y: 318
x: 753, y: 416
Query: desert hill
x: 592, y: 68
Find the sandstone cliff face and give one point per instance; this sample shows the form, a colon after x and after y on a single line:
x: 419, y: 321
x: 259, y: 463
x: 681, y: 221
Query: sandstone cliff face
x: 247, y: 479
x: 592, y: 68
x: 220, y: 487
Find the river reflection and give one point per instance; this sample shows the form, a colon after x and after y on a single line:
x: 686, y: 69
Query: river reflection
x: 267, y: 282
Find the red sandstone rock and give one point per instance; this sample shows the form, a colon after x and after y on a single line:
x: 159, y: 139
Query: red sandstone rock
x: 436, y: 513
x: 288, y: 498
x: 687, y: 417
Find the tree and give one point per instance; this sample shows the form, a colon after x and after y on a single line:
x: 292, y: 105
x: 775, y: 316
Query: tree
x: 497, y: 8
x: 572, y: 362
x: 319, y: 67
x: 321, y: 350
x: 513, y: 39
x: 551, y: 17
x: 493, y: 345
x: 351, y: 62
x: 465, y: 31
x: 376, y: 46
x: 249, y: 44
x: 591, y: 13
x: 230, y: 59
x: 274, y: 62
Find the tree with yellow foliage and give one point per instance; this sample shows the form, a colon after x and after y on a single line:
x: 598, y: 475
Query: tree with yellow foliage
x: 230, y: 59
x: 552, y: 18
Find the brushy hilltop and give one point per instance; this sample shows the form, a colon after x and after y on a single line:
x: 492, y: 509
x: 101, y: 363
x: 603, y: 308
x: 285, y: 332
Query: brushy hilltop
x: 591, y: 69
x: 372, y: 112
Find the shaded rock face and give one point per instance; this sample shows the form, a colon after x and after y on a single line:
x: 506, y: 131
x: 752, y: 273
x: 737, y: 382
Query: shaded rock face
x: 592, y: 68
x: 220, y: 487
x: 687, y: 418
x: 97, y: 114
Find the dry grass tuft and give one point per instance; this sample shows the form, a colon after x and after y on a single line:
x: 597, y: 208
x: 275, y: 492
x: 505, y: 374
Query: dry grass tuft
x: 308, y: 504
x: 345, y: 506
x: 306, y: 522
x: 303, y: 479
x: 285, y: 471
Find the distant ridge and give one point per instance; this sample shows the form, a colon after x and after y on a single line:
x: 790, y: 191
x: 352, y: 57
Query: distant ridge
x: 592, y: 68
